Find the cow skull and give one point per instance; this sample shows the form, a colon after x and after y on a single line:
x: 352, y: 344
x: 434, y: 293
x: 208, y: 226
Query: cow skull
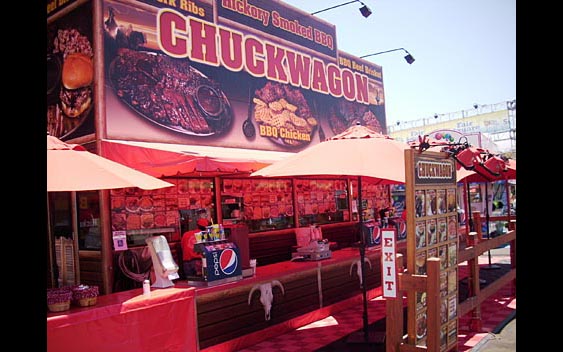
x: 358, y: 265
x: 266, y: 295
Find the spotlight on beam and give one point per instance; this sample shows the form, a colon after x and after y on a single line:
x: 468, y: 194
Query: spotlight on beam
x: 366, y: 12
x: 408, y: 58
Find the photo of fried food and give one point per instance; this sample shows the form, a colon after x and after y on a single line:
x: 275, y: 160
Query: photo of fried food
x: 284, y: 108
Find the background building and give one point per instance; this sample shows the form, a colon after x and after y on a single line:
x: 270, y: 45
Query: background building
x: 491, y: 126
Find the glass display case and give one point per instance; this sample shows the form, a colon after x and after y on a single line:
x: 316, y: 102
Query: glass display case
x: 231, y: 208
x: 398, y: 199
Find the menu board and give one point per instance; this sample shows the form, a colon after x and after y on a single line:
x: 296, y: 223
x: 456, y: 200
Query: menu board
x: 433, y: 197
x: 434, y: 241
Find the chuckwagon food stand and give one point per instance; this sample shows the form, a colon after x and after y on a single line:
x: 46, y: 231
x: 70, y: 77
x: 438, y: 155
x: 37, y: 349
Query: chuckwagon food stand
x: 174, y: 89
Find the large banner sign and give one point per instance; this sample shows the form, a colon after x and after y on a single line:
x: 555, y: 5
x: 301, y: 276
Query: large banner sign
x: 234, y: 73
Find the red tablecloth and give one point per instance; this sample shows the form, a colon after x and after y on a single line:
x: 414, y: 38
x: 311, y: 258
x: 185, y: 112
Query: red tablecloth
x: 127, y: 321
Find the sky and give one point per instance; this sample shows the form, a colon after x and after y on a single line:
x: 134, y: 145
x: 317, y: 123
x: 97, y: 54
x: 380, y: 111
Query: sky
x: 464, y: 50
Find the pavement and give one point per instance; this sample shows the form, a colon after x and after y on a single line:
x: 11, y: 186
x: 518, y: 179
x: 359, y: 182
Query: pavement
x: 330, y: 334
x: 502, y: 338
x: 501, y: 341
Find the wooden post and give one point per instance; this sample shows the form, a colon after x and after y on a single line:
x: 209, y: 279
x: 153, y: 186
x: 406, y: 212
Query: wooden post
x: 512, y: 227
x: 477, y: 223
x: 433, y: 302
x: 394, y: 315
x: 473, y: 284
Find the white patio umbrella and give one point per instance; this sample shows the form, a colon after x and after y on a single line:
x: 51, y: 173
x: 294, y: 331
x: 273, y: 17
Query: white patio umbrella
x: 358, y: 151
x: 70, y: 167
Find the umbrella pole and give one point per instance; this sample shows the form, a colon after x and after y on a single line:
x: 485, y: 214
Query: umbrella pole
x: 53, y: 268
x: 468, y: 213
x: 362, y: 260
x: 507, y: 189
x: 364, y: 337
x: 487, y: 218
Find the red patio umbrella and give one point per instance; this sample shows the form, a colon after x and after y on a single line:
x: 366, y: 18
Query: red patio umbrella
x: 481, y: 174
x: 70, y: 167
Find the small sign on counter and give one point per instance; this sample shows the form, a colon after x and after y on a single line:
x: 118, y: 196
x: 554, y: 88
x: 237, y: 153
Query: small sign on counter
x: 119, y: 240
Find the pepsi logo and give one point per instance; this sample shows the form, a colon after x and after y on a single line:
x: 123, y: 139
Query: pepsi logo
x: 402, y: 228
x: 228, y: 261
x: 376, y: 235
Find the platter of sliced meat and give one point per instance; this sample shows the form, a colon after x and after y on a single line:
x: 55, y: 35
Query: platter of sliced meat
x: 170, y: 92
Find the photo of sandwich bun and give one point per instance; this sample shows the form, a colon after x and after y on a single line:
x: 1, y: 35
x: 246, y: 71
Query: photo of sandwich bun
x: 76, y: 78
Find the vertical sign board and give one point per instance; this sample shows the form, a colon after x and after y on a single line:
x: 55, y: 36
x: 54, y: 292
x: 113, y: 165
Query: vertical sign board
x: 389, y: 262
x: 432, y: 232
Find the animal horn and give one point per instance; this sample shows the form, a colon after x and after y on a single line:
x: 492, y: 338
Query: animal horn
x: 352, y: 268
x: 254, y: 288
x: 367, y: 261
x: 277, y: 283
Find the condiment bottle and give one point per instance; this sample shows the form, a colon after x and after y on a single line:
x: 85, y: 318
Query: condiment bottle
x: 146, y: 288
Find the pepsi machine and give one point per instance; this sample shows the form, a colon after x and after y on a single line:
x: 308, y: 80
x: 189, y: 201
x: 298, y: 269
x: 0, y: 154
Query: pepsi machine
x: 221, y: 263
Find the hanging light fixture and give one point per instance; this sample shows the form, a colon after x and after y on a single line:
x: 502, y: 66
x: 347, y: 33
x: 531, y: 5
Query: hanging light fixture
x: 408, y: 58
x: 365, y: 11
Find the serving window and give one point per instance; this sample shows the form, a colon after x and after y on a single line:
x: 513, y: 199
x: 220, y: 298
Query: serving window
x: 322, y: 201
x: 374, y: 197
x: 143, y: 213
x: 261, y: 204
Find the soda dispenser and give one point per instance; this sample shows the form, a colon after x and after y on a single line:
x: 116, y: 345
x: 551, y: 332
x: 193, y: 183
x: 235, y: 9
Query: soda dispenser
x: 221, y: 258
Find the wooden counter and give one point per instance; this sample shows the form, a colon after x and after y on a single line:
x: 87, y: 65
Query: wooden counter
x: 223, y: 311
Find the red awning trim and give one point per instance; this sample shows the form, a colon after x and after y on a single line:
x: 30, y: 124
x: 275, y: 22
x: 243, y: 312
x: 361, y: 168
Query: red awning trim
x: 167, y: 159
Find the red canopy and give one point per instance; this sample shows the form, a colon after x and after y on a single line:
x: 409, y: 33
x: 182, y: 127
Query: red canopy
x: 168, y: 159
x: 481, y: 175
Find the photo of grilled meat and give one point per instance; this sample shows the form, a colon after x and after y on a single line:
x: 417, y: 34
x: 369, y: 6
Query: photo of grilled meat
x: 346, y: 114
x: 170, y: 92
x: 70, y: 73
